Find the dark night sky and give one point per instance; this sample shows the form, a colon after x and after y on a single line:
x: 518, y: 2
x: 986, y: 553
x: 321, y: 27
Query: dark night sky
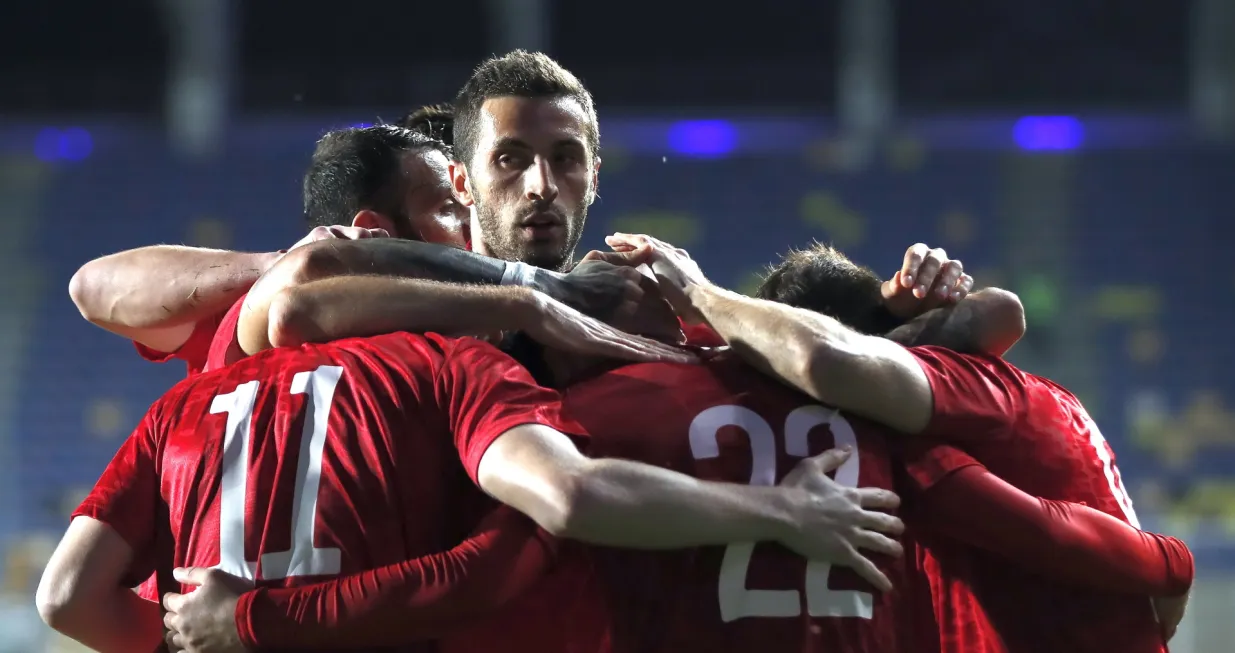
x: 70, y: 55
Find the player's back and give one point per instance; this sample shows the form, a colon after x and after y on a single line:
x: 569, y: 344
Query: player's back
x: 720, y: 421
x: 1038, y: 437
x: 298, y: 464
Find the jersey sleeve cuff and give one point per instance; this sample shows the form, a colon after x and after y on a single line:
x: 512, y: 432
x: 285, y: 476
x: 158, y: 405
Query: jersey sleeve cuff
x: 933, y: 464
x: 244, y: 619
x: 489, y: 432
x: 99, y: 512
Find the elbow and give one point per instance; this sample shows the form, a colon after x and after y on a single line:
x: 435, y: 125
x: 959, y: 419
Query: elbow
x: 1007, y: 319
x: 57, y: 600
x: 311, y: 262
x: 289, y: 319
x: 822, y: 367
x: 84, y: 292
x: 563, y: 516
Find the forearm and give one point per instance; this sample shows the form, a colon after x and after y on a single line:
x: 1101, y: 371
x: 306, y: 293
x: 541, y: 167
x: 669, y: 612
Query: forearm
x: 399, y: 604
x: 164, y: 285
x: 989, y: 321
x: 121, y: 622
x: 627, y: 504
x: 1068, y: 542
x: 352, y: 306
x: 823, y: 358
x: 777, y: 338
x: 399, y: 258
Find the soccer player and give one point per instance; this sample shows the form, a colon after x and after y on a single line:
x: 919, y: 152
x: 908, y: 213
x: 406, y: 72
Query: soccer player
x: 288, y: 466
x: 599, y: 593
x: 382, y: 180
x: 1027, y: 432
x: 437, y: 121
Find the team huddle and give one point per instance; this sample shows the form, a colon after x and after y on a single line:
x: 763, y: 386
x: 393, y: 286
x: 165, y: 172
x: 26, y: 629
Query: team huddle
x: 428, y: 426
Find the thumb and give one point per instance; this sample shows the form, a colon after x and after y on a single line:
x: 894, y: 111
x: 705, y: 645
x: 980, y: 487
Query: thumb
x: 893, y: 286
x: 191, y: 575
x: 831, y: 459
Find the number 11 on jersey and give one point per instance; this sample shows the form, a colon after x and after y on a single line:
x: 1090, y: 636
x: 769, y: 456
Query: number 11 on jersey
x: 302, y: 559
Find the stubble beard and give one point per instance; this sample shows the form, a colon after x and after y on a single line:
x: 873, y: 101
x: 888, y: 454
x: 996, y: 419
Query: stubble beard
x: 502, y: 241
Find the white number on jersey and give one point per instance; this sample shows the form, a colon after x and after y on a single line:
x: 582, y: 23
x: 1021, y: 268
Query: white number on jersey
x: 1113, y: 479
x: 303, y: 559
x: 736, y: 601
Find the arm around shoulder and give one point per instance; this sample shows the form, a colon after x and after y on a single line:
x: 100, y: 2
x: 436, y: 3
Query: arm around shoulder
x: 870, y: 376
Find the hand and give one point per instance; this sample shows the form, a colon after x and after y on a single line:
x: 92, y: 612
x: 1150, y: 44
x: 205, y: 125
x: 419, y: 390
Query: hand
x: 928, y: 279
x: 595, y: 287
x: 204, y: 621
x: 835, y: 521
x: 1170, y: 611
x: 675, y: 270
x: 556, y: 325
x: 340, y: 232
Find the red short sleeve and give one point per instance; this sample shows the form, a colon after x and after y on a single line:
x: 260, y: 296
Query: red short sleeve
x: 486, y: 393
x: 701, y: 335
x: 194, y: 351
x: 928, y: 462
x: 975, y: 396
x: 126, y: 498
x: 224, y: 348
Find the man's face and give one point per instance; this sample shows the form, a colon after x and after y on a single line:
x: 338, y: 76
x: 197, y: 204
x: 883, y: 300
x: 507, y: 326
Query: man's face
x: 432, y: 214
x: 531, y: 179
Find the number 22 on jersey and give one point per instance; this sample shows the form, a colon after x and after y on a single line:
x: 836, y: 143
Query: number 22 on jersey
x: 303, y: 559
x: 736, y: 601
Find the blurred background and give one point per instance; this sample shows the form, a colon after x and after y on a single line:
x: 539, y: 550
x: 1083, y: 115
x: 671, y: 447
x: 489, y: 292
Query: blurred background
x: 1078, y: 152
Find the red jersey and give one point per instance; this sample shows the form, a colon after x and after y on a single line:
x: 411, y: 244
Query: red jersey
x: 1035, y: 435
x: 718, y: 421
x: 287, y: 466
x: 224, y: 348
x: 193, y: 352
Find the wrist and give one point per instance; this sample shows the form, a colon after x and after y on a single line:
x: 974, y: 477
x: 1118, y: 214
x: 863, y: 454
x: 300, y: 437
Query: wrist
x: 263, y: 261
x: 518, y: 274
x: 547, y: 282
x: 523, y: 304
x: 783, y: 505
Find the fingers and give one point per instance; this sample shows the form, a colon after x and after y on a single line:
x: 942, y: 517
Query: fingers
x: 877, y: 543
x: 831, y: 459
x: 627, y: 240
x: 946, y: 283
x: 963, y: 288
x: 636, y: 348
x: 913, y: 260
x: 173, y: 602
x: 878, y: 499
x: 625, y: 257
x: 191, y: 575
x: 355, y: 233
x: 869, y: 571
x: 928, y: 271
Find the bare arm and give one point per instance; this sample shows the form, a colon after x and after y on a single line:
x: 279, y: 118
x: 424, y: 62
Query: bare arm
x: 156, y: 294
x: 989, y: 321
x: 541, y: 473
x: 350, y: 306
x: 328, y: 311
x: 868, y: 375
x: 623, y: 503
x: 81, y: 595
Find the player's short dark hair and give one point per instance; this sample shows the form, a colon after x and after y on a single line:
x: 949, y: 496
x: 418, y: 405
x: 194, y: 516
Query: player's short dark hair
x: 437, y: 121
x: 360, y: 168
x: 821, y: 278
x: 520, y: 74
